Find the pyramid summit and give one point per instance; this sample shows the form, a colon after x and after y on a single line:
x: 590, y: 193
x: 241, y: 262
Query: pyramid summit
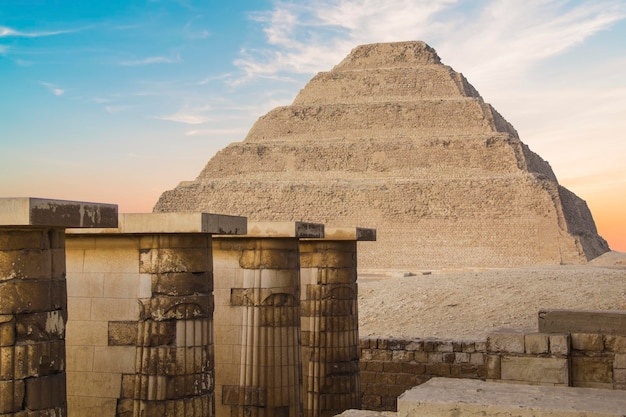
x: 392, y: 139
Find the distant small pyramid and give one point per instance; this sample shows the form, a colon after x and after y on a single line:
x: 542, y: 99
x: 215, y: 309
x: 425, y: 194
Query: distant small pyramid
x: 392, y: 139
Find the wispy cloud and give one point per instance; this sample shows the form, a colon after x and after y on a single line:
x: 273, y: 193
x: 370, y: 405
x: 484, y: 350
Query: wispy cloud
x: 151, y: 60
x: 6, y: 32
x: 217, y: 132
x: 115, y: 109
x: 487, y: 37
x: 190, y: 116
x: 53, y: 88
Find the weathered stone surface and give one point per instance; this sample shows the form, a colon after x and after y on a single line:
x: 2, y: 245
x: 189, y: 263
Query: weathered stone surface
x: 506, y: 341
x: 393, y: 139
x: 56, y: 213
x: 578, y: 321
x: 448, y: 397
x: 594, y: 372
x: 535, y: 370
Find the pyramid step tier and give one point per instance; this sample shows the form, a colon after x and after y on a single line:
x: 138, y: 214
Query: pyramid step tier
x: 373, y: 158
x: 426, y: 118
x: 436, y: 82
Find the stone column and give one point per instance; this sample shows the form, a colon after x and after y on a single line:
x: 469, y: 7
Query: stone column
x: 257, y: 320
x: 161, y: 263
x: 330, y: 321
x: 33, y: 300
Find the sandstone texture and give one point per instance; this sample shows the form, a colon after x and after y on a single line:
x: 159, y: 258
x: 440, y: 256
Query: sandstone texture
x: 394, y: 140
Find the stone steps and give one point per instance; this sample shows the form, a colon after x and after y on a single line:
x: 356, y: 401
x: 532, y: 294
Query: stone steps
x: 447, y: 397
x: 461, y: 116
x: 390, y: 84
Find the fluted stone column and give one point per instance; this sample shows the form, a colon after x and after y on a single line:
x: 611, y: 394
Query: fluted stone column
x: 330, y: 321
x: 164, y: 260
x: 257, y: 320
x: 33, y: 300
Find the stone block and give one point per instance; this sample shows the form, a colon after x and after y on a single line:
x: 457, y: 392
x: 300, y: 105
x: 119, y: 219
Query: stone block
x: 25, y: 263
x: 579, y: 321
x: 536, y: 343
x: 78, y: 309
x: 121, y: 285
x: 270, y: 259
x: 115, y: 309
x: 122, y: 333
x: 591, y: 342
x: 620, y: 361
x: 36, y: 327
x: 592, y: 372
x: 477, y: 359
x: 11, y: 396
x: 444, y: 346
x: 26, y: 296
x: 464, y: 397
x: 461, y: 357
x: 535, y: 370
x: 28, y: 211
x: 494, y: 367
x: 185, y: 283
x: 85, y: 384
x: 87, y: 333
x: 45, y: 392
x: 159, y: 261
x: 416, y: 345
x: 505, y: 341
x: 114, y: 259
x: 619, y: 378
x: 117, y: 359
x: 79, y: 406
x: 7, y: 330
x: 79, y: 358
x: 19, y: 239
x: 615, y: 344
x: 559, y: 344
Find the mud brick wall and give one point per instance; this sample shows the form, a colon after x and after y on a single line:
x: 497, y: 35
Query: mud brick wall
x: 391, y: 366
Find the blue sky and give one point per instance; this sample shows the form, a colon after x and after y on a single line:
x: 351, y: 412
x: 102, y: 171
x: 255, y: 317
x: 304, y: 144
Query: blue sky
x: 117, y: 101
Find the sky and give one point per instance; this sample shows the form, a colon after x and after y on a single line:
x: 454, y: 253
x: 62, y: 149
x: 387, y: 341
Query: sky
x: 116, y: 101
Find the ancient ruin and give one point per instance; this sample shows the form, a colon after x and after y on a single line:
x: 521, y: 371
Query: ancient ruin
x: 393, y: 139
x: 33, y: 300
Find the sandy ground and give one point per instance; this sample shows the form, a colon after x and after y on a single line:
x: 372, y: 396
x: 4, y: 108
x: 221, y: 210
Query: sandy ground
x: 468, y: 304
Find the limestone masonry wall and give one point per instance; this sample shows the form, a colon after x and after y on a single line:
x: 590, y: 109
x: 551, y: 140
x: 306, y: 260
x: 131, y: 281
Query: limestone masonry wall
x: 594, y: 360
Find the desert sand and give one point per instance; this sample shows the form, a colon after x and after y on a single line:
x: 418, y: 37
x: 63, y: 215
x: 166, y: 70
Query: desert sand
x: 467, y: 304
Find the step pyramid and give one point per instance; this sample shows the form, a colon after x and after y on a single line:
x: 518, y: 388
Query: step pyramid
x: 393, y: 139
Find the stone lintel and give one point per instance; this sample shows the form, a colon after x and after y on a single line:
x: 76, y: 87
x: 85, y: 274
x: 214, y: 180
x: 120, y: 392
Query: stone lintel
x: 285, y: 229
x: 449, y: 396
x: 42, y: 212
x: 360, y: 234
x: 174, y: 222
x: 581, y: 321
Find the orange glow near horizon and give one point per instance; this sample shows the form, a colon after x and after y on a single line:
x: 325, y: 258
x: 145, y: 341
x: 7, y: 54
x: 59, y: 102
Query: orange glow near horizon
x: 611, y: 221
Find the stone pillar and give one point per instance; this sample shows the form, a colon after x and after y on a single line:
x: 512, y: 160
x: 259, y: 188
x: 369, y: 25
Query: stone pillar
x: 257, y: 320
x: 33, y: 300
x: 156, y: 313
x: 330, y: 321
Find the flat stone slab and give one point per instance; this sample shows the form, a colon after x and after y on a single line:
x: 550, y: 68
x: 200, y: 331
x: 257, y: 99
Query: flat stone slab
x: 360, y: 234
x: 285, y: 229
x: 581, y: 321
x: 29, y: 211
x: 451, y: 397
x: 175, y: 222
